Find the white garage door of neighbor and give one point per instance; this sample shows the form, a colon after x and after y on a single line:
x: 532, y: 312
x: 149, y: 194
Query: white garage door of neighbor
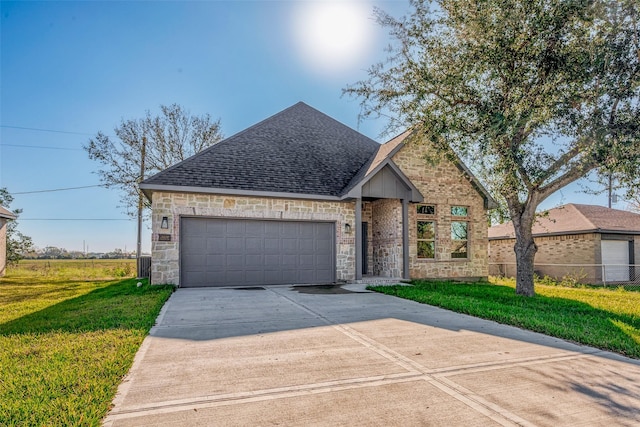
x: 249, y: 252
x: 615, y: 257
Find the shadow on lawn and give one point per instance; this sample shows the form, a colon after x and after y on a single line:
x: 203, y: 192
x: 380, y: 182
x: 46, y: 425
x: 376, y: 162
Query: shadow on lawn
x: 119, y: 305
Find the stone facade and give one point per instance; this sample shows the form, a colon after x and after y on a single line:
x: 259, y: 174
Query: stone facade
x: 386, y: 238
x: 443, y: 184
x: 166, y: 255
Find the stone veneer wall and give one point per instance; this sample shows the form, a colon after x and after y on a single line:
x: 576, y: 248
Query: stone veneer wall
x: 444, y: 185
x: 386, y: 241
x: 166, y: 255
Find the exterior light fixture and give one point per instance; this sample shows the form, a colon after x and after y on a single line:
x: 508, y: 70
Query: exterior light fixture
x: 165, y: 222
x: 347, y: 228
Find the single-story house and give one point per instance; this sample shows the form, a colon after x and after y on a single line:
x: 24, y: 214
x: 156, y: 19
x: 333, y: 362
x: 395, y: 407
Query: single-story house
x: 300, y: 198
x: 593, y: 244
x: 5, y: 216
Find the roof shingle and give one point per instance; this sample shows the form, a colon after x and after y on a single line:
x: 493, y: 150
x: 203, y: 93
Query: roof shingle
x: 299, y: 150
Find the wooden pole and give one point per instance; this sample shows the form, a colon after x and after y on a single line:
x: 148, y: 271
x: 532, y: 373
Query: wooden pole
x: 143, y: 153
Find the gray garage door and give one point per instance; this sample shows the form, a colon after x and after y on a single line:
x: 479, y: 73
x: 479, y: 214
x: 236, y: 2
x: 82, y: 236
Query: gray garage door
x: 240, y: 252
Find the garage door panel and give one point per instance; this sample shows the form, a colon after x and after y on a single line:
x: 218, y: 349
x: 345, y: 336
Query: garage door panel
x: 232, y: 252
x: 307, y: 246
x: 254, y: 245
x: 234, y: 245
x: 323, y: 245
x: 272, y: 277
x: 235, y: 262
x: 253, y: 262
x: 235, y: 228
x: 254, y: 228
x: 195, y: 262
x: 289, y: 245
x: 271, y: 244
x: 215, y: 262
x: 198, y: 278
x: 307, y: 261
x: 196, y: 229
x: 290, y: 276
x: 215, y: 245
x: 214, y: 229
x: 272, y: 229
x: 307, y: 230
x: 272, y: 260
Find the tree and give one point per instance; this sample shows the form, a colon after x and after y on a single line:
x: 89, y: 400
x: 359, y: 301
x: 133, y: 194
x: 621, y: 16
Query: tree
x: 537, y: 92
x: 165, y: 139
x: 18, y: 245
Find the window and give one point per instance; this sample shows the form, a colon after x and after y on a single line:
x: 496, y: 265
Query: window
x: 459, y: 239
x: 426, y: 239
x: 426, y: 209
x: 459, y: 211
x: 426, y: 231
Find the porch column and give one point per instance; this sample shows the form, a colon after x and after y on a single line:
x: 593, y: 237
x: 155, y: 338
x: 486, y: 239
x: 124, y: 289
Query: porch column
x: 358, y: 226
x: 405, y: 239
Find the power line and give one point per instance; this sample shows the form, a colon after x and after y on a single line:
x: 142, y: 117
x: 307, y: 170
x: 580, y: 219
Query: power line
x: 46, y: 130
x: 41, y: 146
x: 60, y: 189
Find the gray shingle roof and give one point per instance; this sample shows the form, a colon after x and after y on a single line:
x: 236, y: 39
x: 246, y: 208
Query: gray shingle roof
x: 298, y: 150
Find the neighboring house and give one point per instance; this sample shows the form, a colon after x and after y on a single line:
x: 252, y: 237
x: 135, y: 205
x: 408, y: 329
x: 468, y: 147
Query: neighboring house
x: 591, y: 243
x: 302, y: 198
x: 5, y: 216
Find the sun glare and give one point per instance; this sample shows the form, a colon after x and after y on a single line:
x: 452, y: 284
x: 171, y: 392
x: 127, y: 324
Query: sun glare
x: 333, y: 35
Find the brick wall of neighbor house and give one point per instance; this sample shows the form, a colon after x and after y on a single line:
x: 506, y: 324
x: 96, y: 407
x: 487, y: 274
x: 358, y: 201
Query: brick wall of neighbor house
x: 166, y: 255
x: 444, y: 185
x: 3, y: 247
x: 386, y: 237
x: 563, y: 249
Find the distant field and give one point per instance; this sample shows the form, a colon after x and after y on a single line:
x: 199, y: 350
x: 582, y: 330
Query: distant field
x: 78, y: 269
x: 69, y: 330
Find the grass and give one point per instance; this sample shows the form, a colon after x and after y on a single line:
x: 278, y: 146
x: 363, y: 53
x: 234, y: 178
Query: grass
x: 67, y: 341
x: 604, y: 318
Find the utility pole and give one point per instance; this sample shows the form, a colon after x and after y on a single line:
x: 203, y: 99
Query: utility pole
x: 610, y: 185
x: 143, y: 153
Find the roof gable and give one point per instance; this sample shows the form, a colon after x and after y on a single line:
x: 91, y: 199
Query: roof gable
x: 7, y: 214
x: 383, y: 158
x: 297, y: 151
x: 574, y: 219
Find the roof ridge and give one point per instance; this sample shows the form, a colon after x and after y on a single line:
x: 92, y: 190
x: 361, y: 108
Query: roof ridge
x: 586, y: 218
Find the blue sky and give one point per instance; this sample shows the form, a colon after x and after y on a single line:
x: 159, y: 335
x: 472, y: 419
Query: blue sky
x: 81, y: 67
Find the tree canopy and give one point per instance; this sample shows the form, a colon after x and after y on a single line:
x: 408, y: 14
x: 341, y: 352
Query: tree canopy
x: 168, y: 138
x: 538, y: 93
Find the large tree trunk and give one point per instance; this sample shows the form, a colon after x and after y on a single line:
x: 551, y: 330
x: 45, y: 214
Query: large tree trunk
x: 525, y: 247
x: 525, y: 250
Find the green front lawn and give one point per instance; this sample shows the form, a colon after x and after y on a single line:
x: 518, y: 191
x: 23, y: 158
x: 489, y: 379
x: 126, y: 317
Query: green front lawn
x: 65, y: 345
x: 605, y: 318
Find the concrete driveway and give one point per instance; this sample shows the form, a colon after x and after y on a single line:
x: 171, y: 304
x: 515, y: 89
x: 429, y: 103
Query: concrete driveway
x: 344, y: 356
